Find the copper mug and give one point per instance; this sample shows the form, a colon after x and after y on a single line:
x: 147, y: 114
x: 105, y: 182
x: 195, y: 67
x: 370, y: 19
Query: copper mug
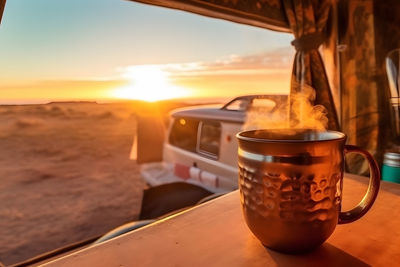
x: 290, y: 185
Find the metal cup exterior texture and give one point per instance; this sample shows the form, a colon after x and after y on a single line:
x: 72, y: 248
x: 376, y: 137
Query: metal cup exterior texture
x: 290, y: 186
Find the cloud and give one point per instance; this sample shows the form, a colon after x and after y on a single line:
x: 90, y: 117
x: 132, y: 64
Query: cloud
x: 269, y: 62
x: 267, y: 72
x: 263, y: 73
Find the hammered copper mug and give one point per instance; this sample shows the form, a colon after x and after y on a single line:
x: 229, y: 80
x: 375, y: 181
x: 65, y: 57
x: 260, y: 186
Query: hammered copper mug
x: 290, y: 185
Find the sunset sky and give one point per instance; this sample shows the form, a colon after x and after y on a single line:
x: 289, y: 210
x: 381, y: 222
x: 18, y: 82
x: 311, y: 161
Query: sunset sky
x: 107, y: 49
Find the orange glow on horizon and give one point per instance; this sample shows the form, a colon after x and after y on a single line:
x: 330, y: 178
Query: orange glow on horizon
x: 159, y: 82
x: 149, y: 83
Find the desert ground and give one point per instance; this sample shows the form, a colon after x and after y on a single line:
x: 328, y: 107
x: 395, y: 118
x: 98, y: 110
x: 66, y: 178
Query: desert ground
x: 65, y: 173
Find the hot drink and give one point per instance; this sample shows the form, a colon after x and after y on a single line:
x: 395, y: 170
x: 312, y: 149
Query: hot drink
x: 290, y: 185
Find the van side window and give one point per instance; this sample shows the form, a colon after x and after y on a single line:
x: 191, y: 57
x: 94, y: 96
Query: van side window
x: 209, y: 140
x: 184, y: 133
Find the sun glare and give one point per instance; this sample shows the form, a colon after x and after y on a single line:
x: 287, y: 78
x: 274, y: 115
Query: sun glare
x: 149, y: 83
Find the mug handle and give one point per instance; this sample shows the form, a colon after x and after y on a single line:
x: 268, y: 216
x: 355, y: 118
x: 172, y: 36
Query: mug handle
x: 373, y: 188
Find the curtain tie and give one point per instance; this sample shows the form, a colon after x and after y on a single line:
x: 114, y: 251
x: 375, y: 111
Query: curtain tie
x: 308, y: 42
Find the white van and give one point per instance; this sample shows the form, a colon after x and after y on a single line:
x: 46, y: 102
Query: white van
x: 200, y: 146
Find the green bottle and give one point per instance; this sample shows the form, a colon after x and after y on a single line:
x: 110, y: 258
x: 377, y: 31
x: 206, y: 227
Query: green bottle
x: 391, y: 167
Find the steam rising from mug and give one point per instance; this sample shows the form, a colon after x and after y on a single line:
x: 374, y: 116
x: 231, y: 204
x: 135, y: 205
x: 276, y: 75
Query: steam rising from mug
x: 265, y: 114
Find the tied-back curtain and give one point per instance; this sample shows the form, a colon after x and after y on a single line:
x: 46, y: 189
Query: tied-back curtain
x: 2, y: 5
x: 307, y: 20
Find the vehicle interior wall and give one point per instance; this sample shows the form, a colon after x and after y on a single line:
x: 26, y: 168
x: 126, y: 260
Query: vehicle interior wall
x: 150, y: 137
x: 367, y: 31
x: 387, y: 38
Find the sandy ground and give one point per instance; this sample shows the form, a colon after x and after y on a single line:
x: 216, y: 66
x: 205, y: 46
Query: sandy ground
x: 65, y: 175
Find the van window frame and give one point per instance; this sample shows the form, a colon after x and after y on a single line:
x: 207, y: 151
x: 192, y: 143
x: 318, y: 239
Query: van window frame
x: 206, y: 153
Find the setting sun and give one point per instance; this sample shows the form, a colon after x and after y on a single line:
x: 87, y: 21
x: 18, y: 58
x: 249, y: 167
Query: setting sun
x: 149, y: 83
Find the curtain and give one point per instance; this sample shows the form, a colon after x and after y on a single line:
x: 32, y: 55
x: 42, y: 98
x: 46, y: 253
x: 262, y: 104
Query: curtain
x: 307, y: 20
x: 2, y: 5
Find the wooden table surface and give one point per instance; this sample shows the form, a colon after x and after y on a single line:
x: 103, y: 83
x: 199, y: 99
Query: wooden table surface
x: 215, y: 234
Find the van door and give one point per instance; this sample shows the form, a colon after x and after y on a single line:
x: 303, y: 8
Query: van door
x: 149, y: 139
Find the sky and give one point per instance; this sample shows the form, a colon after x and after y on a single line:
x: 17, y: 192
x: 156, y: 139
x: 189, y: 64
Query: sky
x: 107, y: 49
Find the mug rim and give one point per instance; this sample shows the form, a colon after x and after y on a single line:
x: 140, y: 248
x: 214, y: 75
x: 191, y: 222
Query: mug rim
x: 239, y: 136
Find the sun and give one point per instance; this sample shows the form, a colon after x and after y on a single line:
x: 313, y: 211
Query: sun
x: 149, y: 83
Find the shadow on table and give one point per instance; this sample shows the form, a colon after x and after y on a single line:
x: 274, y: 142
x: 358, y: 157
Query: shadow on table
x: 326, y: 255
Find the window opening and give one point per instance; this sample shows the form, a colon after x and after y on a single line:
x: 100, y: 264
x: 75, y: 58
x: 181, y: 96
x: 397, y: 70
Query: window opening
x: 209, y: 139
x: 184, y: 133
